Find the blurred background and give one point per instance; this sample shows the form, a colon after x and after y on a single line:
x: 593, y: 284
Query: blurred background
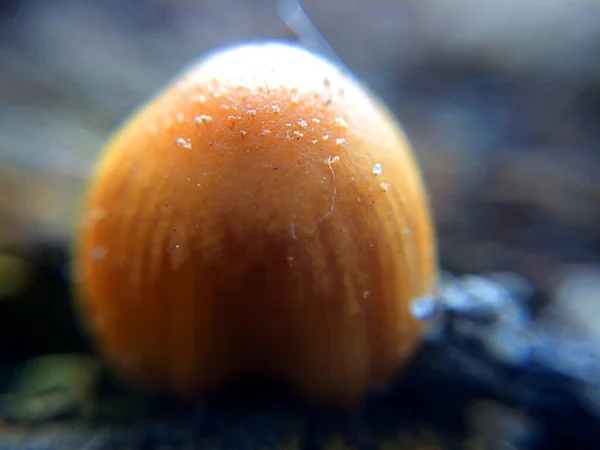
x: 500, y: 99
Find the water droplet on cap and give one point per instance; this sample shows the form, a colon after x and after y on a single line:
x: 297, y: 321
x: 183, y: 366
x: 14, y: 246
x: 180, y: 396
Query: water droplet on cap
x: 185, y: 143
x: 340, y: 122
x: 98, y: 252
x: 423, y: 307
x: 203, y: 119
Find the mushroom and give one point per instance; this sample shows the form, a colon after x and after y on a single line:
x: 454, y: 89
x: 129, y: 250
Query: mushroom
x: 264, y: 216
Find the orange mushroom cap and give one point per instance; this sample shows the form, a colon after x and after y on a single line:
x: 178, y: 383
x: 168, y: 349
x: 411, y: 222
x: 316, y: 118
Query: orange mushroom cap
x: 263, y: 215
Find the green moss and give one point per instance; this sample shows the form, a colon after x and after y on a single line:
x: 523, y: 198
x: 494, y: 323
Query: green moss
x: 51, y: 387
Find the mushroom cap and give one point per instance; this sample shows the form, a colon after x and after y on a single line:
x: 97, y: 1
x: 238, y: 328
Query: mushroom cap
x: 263, y: 215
